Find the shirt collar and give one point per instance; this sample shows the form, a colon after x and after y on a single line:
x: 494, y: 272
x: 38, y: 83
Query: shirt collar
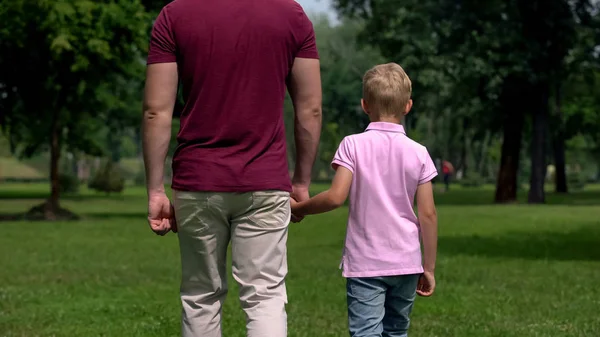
x: 387, y: 127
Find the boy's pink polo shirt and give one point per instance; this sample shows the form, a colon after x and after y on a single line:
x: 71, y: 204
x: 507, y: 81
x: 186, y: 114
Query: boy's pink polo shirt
x: 382, y: 238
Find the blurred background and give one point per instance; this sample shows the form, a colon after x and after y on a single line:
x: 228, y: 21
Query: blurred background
x: 506, y: 100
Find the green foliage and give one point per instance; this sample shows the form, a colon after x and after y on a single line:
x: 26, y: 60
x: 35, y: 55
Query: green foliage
x: 69, y: 183
x: 472, y: 180
x: 108, y: 179
x: 74, y: 74
x: 478, y: 65
x: 69, y: 70
x: 140, y: 178
x: 343, y: 63
x: 576, y: 180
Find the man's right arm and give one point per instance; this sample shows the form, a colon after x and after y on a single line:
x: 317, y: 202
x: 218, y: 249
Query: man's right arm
x: 304, y: 86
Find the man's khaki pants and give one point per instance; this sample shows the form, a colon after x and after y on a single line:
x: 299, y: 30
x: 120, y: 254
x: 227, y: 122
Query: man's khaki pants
x: 257, y: 226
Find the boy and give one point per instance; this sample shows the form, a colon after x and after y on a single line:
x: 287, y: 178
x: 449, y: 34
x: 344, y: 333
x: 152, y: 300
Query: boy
x: 382, y: 170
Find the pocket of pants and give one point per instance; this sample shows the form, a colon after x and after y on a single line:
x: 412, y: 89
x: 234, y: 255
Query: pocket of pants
x: 270, y: 209
x: 191, y: 211
x: 365, y: 290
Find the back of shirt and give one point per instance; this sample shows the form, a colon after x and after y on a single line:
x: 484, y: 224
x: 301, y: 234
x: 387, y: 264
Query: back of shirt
x: 383, y: 234
x: 234, y: 58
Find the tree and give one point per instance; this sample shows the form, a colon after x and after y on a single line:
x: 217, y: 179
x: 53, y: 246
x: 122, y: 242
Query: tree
x: 58, y: 59
x: 575, y: 90
x: 485, y: 63
x: 444, y: 49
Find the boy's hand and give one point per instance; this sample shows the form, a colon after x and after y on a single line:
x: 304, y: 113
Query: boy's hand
x: 426, y: 285
x: 299, y: 194
x: 295, y: 216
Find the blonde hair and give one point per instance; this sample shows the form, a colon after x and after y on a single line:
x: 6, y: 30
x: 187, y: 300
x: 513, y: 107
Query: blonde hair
x: 387, y: 89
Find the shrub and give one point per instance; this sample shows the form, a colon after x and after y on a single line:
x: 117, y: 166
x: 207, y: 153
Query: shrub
x: 472, y: 180
x: 69, y: 183
x: 575, y: 181
x: 140, y: 178
x: 108, y: 179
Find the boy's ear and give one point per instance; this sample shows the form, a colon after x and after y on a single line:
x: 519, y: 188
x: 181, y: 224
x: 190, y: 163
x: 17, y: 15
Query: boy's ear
x: 408, y: 107
x: 363, y: 104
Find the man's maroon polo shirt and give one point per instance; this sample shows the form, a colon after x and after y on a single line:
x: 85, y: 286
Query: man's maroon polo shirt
x: 233, y: 58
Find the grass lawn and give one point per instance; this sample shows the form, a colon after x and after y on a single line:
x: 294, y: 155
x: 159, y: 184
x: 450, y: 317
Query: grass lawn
x: 503, y: 271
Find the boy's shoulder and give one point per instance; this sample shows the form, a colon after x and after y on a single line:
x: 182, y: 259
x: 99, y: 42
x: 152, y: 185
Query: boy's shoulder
x: 413, y: 143
x: 404, y: 141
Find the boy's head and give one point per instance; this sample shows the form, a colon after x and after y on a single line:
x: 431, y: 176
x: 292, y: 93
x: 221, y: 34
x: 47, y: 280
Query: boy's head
x: 386, y: 93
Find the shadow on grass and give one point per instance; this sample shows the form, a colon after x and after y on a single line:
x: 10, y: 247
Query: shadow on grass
x: 142, y: 216
x: 34, y: 195
x: 476, y: 197
x: 456, y: 197
x: 580, y: 245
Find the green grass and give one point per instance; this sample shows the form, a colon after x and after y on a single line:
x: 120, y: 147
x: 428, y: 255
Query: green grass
x: 503, y: 271
x: 12, y: 168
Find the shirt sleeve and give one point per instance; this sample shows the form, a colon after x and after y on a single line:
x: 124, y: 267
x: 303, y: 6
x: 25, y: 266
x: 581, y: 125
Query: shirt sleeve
x: 344, y: 156
x: 162, y: 47
x: 308, y: 43
x: 428, y: 170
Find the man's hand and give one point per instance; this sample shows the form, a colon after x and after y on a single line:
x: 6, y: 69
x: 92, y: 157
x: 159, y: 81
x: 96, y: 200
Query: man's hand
x: 299, y: 194
x: 426, y: 285
x: 161, y: 215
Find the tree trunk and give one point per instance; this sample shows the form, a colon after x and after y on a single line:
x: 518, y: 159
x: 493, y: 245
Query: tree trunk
x: 538, y: 145
x: 506, y: 186
x: 558, y: 145
x: 53, y: 205
x: 512, y: 102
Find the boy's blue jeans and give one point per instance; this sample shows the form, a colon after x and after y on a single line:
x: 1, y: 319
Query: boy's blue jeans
x: 380, y: 306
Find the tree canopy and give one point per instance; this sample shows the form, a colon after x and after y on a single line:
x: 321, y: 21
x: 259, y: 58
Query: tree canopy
x: 484, y: 66
x: 501, y: 88
x: 69, y: 66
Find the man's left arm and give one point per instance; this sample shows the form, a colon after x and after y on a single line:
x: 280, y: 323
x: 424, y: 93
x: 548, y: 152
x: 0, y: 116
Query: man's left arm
x: 159, y: 100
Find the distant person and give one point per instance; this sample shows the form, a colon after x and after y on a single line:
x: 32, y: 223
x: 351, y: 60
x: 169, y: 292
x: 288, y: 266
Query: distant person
x: 230, y: 174
x: 382, y: 170
x: 447, y: 171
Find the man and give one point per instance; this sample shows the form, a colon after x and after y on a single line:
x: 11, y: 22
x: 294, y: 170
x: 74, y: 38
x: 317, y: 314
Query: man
x: 230, y: 174
x: 447, y: 170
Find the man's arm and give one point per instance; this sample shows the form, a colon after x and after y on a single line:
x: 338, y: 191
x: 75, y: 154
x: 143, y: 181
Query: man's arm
x: 329, y: 200
x: 159, y: 99
x: 304, y: 86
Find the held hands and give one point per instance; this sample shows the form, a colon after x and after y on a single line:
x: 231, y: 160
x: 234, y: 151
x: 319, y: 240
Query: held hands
x: 426, y: 285
x: 296, y: 217
x: 299, y: 194
x: 161, y: 215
